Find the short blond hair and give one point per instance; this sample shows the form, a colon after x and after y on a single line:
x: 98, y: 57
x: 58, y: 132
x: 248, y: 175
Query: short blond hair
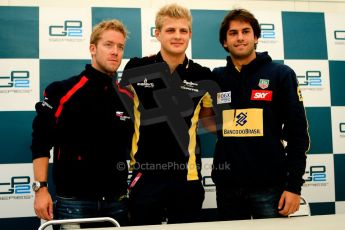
x: 173, y: 11
x: 112, y: 24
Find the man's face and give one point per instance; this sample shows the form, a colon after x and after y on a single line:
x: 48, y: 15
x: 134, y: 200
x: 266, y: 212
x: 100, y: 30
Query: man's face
x: 108, y: 52
x: 174, y: 36
x: 240, y: 41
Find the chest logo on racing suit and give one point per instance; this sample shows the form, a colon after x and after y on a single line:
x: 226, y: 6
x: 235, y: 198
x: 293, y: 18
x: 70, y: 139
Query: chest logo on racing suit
x: 45, y: 103
x: 189, y: 85
x: 146, y: 84
x: 224, y: 97
x: 264, y: 83
x: 121, y: 115
x: 243, y: 123
x: 261, y: 95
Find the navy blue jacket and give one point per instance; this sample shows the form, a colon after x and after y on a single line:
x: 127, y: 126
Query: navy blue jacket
x: 264, y: 107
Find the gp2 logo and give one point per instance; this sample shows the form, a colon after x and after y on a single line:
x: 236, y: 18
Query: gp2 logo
x: 17, y: 185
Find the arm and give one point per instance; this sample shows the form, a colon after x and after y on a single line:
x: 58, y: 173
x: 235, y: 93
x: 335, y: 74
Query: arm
x: 43, y: 203
x: 207, y: 119
x: 207, y: 115
x: 43, y: 138
x: 289, y: 203
x: 295, y: 133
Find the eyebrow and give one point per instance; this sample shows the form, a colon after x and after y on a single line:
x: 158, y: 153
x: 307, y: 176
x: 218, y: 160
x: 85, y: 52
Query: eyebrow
x: 246, y: 28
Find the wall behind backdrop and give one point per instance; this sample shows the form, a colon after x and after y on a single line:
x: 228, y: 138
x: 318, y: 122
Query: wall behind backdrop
x: 43, y: 41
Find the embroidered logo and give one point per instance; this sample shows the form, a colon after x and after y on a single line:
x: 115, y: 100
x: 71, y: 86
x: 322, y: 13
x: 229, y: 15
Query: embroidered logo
x: 224, y: 97
x: 122, y: 117
x: 241, y: 119
x: 146, y: 84
x: 299, y: 93
x: 45, y: 103
x: 264, y: 83
x: 188, y: 85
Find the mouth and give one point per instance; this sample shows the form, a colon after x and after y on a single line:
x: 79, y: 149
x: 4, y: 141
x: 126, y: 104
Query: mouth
x: 240, y: 45
x: 177, y: 44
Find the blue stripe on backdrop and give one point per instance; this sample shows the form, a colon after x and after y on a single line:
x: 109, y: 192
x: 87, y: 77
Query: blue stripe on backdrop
x: 19, y: 35
x: 207, y: 144
x: 131, y: 17
x: 322, y: 208
x: 23, y: 223
x: 304, y: 35
x: 337, y: 82
x: 320, y: 129
x: 205, y: 44
x: 15, y: 137
x: 339, y: 176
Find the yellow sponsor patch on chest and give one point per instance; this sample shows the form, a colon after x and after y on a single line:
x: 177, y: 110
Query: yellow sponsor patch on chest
x: 243, y: 123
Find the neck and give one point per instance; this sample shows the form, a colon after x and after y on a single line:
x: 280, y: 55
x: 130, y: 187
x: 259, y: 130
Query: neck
x: 173, y: 60
x: 110, y: 74
x: 239, y: 62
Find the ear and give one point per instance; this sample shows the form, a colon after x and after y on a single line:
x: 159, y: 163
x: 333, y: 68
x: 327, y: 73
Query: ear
x: 157, y: 33
x: 92, y: 49
x: 256, y: 40
x: 224, y: 44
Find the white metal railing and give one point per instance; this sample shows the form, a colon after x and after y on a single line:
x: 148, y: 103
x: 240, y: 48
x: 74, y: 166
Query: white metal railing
x: 79, y: 221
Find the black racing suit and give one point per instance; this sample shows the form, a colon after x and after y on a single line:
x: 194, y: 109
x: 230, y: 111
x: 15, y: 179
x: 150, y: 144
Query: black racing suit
x: 170, y: 179
x: 85, y: 121
x: 260, y: 107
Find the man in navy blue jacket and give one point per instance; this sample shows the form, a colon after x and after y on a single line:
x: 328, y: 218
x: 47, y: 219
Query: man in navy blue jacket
x: 255, y: 174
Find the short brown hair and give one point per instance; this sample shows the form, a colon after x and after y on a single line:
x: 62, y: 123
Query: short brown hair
x: 238, y: 15
x: 112, y: 24
x: 173, y: 11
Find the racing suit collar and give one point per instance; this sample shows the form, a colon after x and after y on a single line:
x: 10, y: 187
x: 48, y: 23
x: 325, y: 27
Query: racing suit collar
x: 261, y: 57
x: 185, y: 63
x: 99, y: 76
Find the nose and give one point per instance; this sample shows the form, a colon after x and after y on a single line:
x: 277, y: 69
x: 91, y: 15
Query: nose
x: 177, y: 35
x: 240, y: 36
x: 115, y: 50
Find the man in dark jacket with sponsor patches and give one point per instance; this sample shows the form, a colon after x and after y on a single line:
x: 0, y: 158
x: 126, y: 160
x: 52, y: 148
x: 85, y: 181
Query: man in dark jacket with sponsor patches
x: 255, y: 174
x: 166, y: 178
x: 85, y: 120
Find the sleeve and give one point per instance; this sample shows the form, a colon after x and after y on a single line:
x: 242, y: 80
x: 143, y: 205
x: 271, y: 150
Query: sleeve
x: 133, y: 62
x: 44, y: 123
x: 295, y: 131
x: 207, y: 98
x: 207, y: 101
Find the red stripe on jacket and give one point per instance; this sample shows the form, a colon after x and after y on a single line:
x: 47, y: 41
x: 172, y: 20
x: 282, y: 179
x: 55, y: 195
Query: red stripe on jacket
x: 69, y: 94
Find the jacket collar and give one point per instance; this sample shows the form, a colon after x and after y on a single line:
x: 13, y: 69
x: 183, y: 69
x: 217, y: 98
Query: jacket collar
x: 261, y: 57
x: 94, y: 74
x: 184, y: 65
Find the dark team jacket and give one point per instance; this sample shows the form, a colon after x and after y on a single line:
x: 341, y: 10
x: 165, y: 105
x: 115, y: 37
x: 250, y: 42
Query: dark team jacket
x: 156, y: 150
x: 260, y: 107
x: 85, y: 120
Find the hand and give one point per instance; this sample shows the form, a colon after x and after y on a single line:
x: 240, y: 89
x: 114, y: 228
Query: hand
x: 43, y: 204
x: 289, y: 202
